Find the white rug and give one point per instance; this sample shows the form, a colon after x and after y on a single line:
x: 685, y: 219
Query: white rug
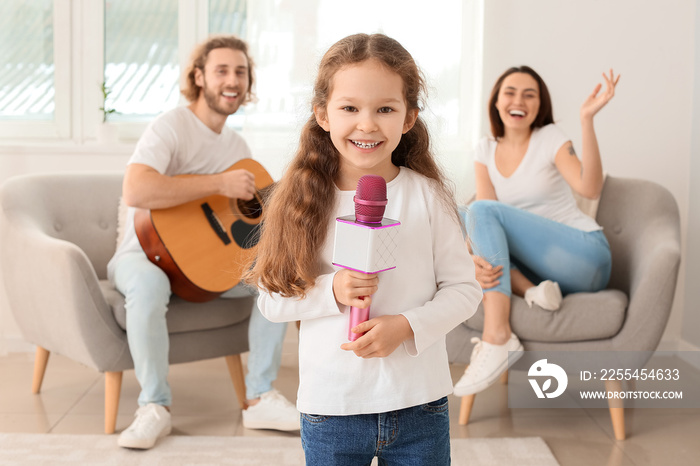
x: 57, y: 449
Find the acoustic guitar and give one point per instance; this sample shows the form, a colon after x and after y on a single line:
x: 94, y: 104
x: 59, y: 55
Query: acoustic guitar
x: 204, y: 245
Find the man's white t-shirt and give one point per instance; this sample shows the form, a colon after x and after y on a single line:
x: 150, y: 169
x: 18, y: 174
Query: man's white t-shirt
x: 176, y: 143
x: 536, y: 185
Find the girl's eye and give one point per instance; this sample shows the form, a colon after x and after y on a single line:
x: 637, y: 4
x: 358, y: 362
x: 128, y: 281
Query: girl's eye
x: 386, y: 110
x: 349, y: 108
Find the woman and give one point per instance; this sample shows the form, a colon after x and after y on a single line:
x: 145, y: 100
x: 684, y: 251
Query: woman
x: 527, y: 235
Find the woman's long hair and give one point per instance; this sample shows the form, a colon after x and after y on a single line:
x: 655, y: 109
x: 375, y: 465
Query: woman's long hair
x: 299, y: 210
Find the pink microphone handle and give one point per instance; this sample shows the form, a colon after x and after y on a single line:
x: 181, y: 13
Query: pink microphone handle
x: 357, y: 316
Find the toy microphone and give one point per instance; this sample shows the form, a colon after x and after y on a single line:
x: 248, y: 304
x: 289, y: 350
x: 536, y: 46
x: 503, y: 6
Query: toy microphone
x: 366, y: 242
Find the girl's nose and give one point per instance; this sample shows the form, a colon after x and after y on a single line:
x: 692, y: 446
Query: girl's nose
x: 367, y: 123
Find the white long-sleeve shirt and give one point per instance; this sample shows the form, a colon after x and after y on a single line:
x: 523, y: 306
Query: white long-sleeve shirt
x: 433, y: 286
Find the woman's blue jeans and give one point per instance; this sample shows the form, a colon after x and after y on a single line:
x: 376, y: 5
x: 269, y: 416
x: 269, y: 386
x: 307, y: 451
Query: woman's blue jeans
x: 540, y: 248
x: 146, y: 289
x: 416, y: 436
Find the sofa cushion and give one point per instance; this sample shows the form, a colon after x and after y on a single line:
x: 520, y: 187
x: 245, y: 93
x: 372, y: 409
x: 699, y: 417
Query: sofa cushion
x: 184, y: 316
x: 583, y: 316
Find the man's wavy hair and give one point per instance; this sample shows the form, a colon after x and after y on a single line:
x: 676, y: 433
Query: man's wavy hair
x: 298, y: 214
x: 199, y: 57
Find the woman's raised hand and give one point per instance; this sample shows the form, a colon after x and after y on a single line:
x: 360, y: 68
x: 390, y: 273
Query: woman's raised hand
x: 595, y: 101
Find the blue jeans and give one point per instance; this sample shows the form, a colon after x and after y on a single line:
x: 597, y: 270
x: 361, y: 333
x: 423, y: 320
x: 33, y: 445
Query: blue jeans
x: 540, y: 248
x: 408, y: 437
x: 146, y: 289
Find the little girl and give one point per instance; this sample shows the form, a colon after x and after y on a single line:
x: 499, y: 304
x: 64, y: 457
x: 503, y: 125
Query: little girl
x: 384, y: 394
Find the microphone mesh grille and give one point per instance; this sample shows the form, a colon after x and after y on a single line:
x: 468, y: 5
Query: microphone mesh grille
x: 370, y: 188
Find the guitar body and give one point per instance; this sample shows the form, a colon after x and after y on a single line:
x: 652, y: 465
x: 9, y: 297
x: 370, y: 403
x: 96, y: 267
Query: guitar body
x: 204, y: 245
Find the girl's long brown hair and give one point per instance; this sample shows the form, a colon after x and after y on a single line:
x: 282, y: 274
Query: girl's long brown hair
x: 299, y: 210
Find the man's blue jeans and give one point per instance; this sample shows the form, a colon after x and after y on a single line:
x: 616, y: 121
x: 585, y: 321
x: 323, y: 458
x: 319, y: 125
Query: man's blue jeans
x: 540, y: 248
x: 416, y: 436
x: 147, y: 292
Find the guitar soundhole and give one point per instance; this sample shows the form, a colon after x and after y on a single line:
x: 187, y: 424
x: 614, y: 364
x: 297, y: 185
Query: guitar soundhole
x: 251, y: 209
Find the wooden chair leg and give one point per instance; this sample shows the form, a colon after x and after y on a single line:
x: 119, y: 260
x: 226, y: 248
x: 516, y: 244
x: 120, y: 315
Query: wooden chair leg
x: 41, y: 359
x: 504, y: 378
x: 113, y: 387
x: 617, y: 410
x: 235, y: 369
x: 465, y: 409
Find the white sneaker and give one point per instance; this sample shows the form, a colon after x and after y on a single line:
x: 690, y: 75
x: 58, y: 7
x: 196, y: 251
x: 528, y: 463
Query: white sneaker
x: 488, y: 362
x: 152, y: 422
x: 546, y: 295
x: 273, y: 411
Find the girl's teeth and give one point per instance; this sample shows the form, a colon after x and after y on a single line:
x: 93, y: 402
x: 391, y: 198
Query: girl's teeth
x: 230, y: 94
x: 365, y: 145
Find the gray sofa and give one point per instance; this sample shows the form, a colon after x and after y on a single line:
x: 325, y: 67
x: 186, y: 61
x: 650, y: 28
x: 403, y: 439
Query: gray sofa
x: 57, y: 233
x: 641, y: 221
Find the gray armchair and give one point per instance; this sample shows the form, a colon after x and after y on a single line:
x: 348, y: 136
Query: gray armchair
x: 641, y: 221
x: 57, y: 233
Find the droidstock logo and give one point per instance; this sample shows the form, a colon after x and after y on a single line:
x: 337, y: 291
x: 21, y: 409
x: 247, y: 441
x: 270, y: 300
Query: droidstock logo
x: 542, y: 369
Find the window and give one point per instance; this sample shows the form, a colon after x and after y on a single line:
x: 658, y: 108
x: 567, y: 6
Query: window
x: 34, y: 78
x: 27, y: 77
x: 228, y: 17
x: 141, y: 72
x: 60, y: 52
x: 288, y: 38
x: 146, y: 45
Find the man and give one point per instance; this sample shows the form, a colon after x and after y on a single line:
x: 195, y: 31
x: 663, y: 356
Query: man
x: 191, y: 139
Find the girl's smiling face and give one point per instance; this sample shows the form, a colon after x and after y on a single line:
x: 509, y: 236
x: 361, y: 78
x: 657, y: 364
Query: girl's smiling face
x: 518, y: 101
x: 366, y: 115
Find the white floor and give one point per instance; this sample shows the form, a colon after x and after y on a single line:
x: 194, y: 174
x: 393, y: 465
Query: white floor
x: 72, y: 401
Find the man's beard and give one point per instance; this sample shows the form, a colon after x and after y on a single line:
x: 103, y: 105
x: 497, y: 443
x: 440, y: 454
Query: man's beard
x: 212, y: 100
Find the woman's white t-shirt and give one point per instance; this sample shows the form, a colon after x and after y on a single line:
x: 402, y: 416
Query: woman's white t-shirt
x: 536, y: 185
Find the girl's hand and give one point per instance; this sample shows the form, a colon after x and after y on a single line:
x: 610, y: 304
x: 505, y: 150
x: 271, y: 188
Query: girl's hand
x: 486, y: 274
x: 595, y: 102
x: 383, y: 335
x: 354, y: 288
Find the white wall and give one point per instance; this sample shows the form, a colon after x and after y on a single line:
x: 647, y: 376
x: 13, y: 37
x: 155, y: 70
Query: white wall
x: 691, y: 316
x: 645, y: 131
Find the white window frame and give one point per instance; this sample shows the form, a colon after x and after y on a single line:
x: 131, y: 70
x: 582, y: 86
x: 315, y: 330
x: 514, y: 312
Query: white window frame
x: 60, y: 126
x: 193, y: 25
x: 79, y: 71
